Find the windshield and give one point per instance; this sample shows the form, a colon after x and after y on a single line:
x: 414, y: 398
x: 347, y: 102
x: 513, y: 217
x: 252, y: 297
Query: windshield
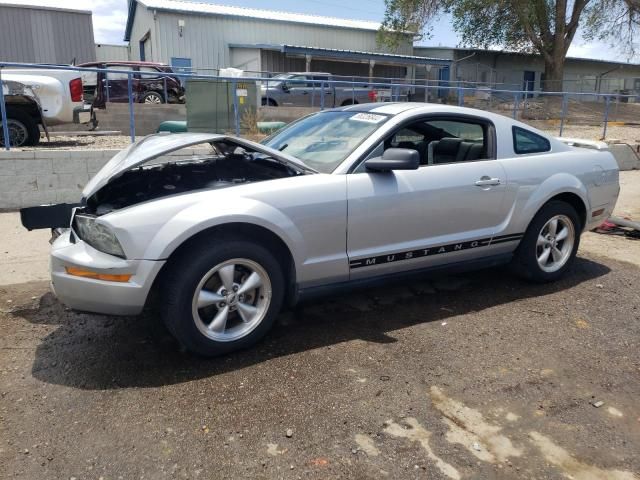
x: 323, y: 140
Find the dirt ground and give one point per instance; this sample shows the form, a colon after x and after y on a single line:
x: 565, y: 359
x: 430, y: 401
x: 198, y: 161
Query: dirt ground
x: 475, y: 376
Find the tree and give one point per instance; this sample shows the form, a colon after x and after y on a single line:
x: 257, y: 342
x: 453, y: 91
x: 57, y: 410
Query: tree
x: 546, y: 27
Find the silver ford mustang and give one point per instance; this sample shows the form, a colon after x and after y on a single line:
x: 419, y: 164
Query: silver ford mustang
x: 226, y: 231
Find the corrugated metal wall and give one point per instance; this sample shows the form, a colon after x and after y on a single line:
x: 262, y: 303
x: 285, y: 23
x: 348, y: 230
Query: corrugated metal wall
x: 45, y: 36
x: 205, y: 38
x: 142, y: 25
x: 106, y: 52
x: 278, y: 62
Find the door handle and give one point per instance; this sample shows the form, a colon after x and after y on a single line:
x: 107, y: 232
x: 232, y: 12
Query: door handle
x: 487, y: 181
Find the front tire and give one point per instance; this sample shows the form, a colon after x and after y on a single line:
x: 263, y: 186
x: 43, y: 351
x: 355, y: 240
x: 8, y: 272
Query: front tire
x: 550, y: 243
x: 221, y: 296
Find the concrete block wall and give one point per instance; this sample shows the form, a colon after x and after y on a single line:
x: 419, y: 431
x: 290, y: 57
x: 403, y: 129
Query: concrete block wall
x: 627, y: 156
x: 147, y: 117
x: 38, y: 177
x: 285, y: 114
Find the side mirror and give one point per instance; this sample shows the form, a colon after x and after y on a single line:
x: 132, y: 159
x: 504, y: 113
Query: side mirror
x: 394, y: 159
x: 285, y: 87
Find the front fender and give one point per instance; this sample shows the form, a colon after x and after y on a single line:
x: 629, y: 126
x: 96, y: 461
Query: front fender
x: 199, y: 217
x: 556, y: 184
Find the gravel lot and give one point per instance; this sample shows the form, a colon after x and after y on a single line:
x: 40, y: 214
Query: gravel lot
x: 623, y: 133
x: 476, y: 376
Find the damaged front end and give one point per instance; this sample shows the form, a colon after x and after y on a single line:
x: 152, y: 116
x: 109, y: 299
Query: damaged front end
x: 164, y: 165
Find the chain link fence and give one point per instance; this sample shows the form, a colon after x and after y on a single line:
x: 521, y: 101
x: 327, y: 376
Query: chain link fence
x: 309, y: 92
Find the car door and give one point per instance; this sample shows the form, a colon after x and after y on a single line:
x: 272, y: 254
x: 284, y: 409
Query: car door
x: 297, y: 92
x: 116, y: 83
x: 321, y: 87
x: 446, y: 211
x: 148, y: 82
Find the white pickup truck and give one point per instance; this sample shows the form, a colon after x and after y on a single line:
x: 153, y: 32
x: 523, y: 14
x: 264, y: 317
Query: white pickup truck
x: 40, y: 97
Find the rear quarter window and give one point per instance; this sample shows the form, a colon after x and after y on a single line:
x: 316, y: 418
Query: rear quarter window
x: 525, y: 141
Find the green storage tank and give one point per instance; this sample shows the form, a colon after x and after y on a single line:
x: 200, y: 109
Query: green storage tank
x: 173, y: 126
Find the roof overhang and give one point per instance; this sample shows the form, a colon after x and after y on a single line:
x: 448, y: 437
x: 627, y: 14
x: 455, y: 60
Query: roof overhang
x: 346, y: 55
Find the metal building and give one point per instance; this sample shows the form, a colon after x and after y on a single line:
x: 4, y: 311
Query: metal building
x: 45, y: 35
x: 206, y: 37
x: 523, y: 71
x: 106, y: 52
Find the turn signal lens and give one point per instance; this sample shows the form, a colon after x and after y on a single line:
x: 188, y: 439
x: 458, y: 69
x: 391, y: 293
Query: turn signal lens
x: 78, y: 272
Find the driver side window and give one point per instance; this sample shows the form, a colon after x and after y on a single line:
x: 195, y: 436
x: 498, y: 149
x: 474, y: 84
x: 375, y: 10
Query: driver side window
x: 298, y: 83
x: 439, y: 141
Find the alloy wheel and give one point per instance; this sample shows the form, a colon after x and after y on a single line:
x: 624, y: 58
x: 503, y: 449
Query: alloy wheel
x: 231, y: 300
x: 153, y: 99
x: 555, y: 243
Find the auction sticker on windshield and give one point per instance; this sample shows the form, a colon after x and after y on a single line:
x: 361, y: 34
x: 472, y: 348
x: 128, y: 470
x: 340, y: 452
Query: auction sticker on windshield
x: 368, y: 117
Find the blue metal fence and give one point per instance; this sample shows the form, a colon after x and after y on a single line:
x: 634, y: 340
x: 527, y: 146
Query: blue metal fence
x: 394, y: 88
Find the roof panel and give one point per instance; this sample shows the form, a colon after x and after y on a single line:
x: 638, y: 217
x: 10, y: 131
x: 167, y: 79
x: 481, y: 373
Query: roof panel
x: 213, y: 9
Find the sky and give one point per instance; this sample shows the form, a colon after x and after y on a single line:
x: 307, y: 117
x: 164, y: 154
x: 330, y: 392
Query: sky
x: 110, y: 16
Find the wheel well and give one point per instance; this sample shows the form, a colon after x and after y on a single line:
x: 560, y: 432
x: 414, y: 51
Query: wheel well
x: 29, y: 108
x: 236, y: 231
x: 576, y: 202
x: 269, y: 102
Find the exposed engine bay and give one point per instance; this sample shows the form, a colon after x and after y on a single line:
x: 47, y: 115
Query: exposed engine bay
x: 227, y: 165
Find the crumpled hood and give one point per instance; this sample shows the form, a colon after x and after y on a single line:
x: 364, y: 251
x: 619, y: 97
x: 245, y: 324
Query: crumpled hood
x: 154, y: 146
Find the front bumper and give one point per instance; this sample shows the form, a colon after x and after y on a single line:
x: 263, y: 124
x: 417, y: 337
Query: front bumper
x: 99, y: 296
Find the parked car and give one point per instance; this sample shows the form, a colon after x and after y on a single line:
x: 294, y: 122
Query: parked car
x: 305, y: 89
x: 147, y: 85
x: 40, y: 97
x: 340, y: 198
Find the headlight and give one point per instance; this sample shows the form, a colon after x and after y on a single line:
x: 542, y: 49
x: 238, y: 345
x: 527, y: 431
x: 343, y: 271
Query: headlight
x: 97, y: 235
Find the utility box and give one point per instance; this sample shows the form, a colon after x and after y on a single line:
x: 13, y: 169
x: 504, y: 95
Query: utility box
x: 210, y: 106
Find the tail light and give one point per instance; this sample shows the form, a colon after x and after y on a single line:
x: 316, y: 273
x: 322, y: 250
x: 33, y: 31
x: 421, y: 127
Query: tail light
x: 373, y: 95
x: 75, y: 87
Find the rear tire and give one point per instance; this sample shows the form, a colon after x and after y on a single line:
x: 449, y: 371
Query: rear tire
x: 349, y: 102
x: 23, y: 129
x: 550, y: 243
x: 152, y: 98
x: 222, y: 295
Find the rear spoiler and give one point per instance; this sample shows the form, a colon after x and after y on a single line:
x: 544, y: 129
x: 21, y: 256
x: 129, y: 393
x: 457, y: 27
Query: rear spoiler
x: 579, y: 142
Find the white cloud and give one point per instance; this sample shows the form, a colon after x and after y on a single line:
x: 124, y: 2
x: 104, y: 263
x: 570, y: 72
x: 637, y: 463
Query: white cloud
x: 109, y: 16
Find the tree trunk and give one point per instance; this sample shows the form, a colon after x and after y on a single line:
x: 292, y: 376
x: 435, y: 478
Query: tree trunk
x: 553, y: 75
